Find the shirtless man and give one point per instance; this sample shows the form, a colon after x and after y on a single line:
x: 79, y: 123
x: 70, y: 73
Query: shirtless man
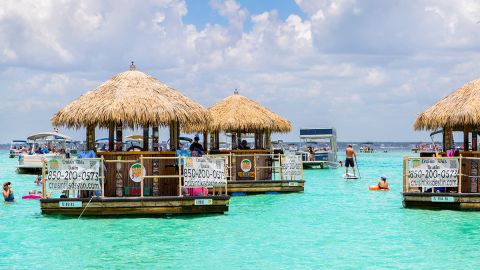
x: 349, y: 162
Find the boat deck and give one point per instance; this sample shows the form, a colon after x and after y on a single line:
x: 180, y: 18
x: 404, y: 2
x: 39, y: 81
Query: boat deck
x: 110, y: 206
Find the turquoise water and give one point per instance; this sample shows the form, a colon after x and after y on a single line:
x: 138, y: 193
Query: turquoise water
x: 334, y: 224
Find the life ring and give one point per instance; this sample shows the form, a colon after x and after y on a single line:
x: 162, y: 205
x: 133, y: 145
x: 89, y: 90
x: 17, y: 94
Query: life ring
x: 377, y: 188
x: 31, y: 196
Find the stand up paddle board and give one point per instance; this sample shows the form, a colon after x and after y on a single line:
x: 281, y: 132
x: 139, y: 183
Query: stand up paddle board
x: 350, y: 176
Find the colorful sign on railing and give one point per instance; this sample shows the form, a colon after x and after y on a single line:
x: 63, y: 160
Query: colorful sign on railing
x: 73, y: 174
x: 204, y: 172
x: 433, y: 172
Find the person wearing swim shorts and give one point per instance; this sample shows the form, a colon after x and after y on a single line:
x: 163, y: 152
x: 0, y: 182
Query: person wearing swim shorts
x: 349, y: 161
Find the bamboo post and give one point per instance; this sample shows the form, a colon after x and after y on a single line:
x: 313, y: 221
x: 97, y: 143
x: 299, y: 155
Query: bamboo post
x: 44, y: 178
x: 119, y: 137
x: 255, y: 167
x: 226, y: 158
x: 141, y: 182
x: 179, y: 176
x: 205, y: 141
x: 155, y: 138
x: 146, y: 136
x: 465, y: 139
x: 474, y: 141
x: 460, y: 174
x: 102, y: 176
x: 280, y: 167
x: 111, y: 137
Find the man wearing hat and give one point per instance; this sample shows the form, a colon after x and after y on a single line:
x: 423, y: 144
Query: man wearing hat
x: 383, y: 184
x: 8, y: 192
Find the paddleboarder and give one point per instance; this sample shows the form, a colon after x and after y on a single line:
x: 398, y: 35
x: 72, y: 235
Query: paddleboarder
x: 349, y: 161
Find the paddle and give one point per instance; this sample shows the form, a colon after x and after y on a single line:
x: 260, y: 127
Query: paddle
x: 358, y: 169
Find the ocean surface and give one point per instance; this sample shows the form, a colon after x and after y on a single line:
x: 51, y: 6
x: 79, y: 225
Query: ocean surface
x: 334, y: 224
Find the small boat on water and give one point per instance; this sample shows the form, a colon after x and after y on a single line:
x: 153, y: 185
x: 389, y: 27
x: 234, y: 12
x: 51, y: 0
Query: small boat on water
x: 16, y: 147
x: 323, y: 142
x: 43, y: 145
x: 367, y: 148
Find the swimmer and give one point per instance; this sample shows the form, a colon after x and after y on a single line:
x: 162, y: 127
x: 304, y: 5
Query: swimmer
x: 383, y: 184
x: 8, y: 192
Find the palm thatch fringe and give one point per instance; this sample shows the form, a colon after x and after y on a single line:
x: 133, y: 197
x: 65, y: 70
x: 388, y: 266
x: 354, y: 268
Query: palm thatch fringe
x: 133, y: 99
x: 458, y: 110
x: 239, y: 113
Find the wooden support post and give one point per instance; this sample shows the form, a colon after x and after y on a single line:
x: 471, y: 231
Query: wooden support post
x: 111, y: 137
x: 90, y: 137
x: 257, y: 139
x: 234, y: 140
x: 155, y: 146
x: 172, y: 135
x: 205, y: 141
x: 212, y: 140
x: 447, y: 139
x: 474, y: 141
x: 239, y: 138
x: 255, y: 167
x: 267, y: 139
x: 465, y: 139
x: 460, y: 176
x: 141, y: 182
x: 217, y: 139
x: 119, y: 137
x: 102, y: 175
x: 179, y: 176
x: 44, y: 178
x: 146, y: 136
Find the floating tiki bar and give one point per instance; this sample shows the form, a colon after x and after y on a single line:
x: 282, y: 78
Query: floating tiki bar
x: 141, y: 182
x: 257, y: 170
x: 448, y: 179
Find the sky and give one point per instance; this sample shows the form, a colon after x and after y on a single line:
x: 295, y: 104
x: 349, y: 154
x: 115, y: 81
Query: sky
x: 365, y: 67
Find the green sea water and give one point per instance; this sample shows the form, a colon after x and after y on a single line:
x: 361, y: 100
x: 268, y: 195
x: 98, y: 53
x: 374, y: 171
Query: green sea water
x: 334, y: 224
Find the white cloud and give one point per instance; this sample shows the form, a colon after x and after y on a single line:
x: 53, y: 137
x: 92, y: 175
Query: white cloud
x: 399, y: 57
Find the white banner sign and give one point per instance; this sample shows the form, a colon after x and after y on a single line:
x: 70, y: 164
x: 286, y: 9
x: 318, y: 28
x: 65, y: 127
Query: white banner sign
x: 204, y: 172
x: 292, y: 166
x: 73, y: 174
x: 433, y: 172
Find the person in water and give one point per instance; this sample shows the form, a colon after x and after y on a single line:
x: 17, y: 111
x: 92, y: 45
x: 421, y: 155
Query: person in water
x: 383, y: 184
x: 8, y: 192
x: 349, y: 161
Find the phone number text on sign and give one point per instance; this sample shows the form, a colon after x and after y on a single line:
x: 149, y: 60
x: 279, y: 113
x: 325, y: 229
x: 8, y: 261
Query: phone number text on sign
x: 68, y: 174
x: 204, y: 172
x: 430, y: 172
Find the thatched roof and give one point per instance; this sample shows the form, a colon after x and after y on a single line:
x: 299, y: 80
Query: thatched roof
x: 239, y: 113
x: 133, y: 99
x: 457, y: 110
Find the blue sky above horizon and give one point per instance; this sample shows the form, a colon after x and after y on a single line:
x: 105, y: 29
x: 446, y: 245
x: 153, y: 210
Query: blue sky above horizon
x: 364, y: 67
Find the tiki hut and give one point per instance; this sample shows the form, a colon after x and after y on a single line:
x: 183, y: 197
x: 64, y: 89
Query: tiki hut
x: 132, y: 99
x: 459, y: 111
x: 238, y: 114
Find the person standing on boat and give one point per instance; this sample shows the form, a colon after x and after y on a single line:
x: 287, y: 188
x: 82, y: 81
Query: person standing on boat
x: 349, y: 161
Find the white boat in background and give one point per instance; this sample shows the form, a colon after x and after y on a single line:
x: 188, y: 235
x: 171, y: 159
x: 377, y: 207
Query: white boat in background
x: 55, y: 145
x: 324, y: 144
x: 16, y: 147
